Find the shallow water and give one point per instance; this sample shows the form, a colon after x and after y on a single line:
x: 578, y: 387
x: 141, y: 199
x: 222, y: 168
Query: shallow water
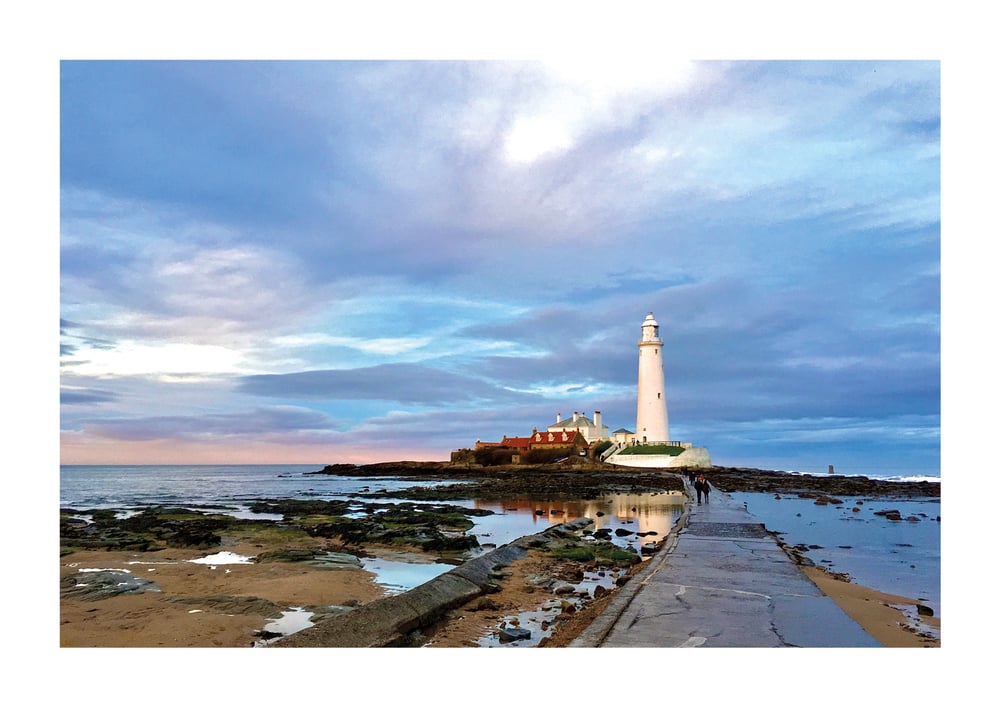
x: 231, y: 489
x: 897, y: 557
x: 396, y: 576
x: 95, y: 487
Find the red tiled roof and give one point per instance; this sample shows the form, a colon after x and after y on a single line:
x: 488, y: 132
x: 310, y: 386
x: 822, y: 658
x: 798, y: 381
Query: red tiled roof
x: 515, y: 442
x: 562, y: 438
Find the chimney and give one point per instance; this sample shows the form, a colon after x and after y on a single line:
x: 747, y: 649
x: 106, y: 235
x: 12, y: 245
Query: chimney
x: 597, y: 419
x: 558, y: 417
x: 576, y: 414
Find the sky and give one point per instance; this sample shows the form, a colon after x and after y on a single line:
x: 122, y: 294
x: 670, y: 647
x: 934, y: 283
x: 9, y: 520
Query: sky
x: 371, y: 260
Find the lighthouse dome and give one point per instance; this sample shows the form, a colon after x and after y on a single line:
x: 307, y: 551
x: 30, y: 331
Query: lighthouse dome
x: 650, y: 321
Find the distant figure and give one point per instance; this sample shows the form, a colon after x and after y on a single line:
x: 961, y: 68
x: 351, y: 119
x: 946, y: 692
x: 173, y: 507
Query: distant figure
x: 699, y: 488
x: 704, y: 487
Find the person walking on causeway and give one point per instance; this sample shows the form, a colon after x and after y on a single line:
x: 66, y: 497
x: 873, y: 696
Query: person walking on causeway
x: 704, y: 487
x: 699, y: 488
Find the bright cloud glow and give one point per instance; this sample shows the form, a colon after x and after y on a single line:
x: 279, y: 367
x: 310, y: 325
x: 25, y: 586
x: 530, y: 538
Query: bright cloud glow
x: 536, y: 136
x: 137, y: 359
x: 584, y: 94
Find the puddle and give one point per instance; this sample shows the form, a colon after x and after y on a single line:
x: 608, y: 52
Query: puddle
x: 398, y: 576
x: 293, y: 620
x: 538, y: 624
x: 223, y: 558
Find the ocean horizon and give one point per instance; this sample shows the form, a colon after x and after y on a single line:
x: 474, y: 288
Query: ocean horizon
x: 883, y: 475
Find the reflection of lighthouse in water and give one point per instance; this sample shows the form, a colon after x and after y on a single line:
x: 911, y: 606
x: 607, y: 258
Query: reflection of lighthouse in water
x: 651, y: 406
x: 649, y: 516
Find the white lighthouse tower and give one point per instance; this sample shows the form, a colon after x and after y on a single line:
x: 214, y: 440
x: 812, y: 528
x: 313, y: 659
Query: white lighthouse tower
x: 651, y: 409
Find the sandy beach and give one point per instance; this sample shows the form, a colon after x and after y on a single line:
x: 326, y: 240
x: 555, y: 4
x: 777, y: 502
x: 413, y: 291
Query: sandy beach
x: 204, y: 605
x: 198, y: 605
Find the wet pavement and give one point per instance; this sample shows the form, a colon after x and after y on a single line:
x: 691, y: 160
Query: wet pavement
x: 721, y: 580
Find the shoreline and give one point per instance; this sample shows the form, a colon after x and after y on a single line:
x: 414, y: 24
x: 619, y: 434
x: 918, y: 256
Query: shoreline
x: 183, y: 613
x: 879, y: 613
x: 191, y: 610
x: 195, y: 605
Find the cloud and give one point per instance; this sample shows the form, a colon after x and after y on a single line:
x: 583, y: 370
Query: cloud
x: 365, y: 240
x: 404, y: 383
x: 71, y: 396
x: 288, y: 423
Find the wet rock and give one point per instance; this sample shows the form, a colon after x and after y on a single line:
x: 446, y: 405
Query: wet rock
x: 230, y: 604
x: 891, y: 514
x: 779, y: 483
x: 93, y: 586
x: 267, y: 635
x: 509, y: 634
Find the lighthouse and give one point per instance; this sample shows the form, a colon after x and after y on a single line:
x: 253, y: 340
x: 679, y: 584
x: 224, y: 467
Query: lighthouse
x: 651, y: 408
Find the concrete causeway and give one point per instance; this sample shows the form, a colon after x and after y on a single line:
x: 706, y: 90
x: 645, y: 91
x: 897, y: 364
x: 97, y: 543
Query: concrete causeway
x: 719, y: 580
x: 722, y: 580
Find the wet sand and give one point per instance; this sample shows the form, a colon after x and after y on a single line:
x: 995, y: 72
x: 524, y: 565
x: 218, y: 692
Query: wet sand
x: 880, y: 614
x: 200, y: 605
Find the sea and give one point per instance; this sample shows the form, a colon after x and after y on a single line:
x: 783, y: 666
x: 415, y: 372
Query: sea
x: 898, y: 557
